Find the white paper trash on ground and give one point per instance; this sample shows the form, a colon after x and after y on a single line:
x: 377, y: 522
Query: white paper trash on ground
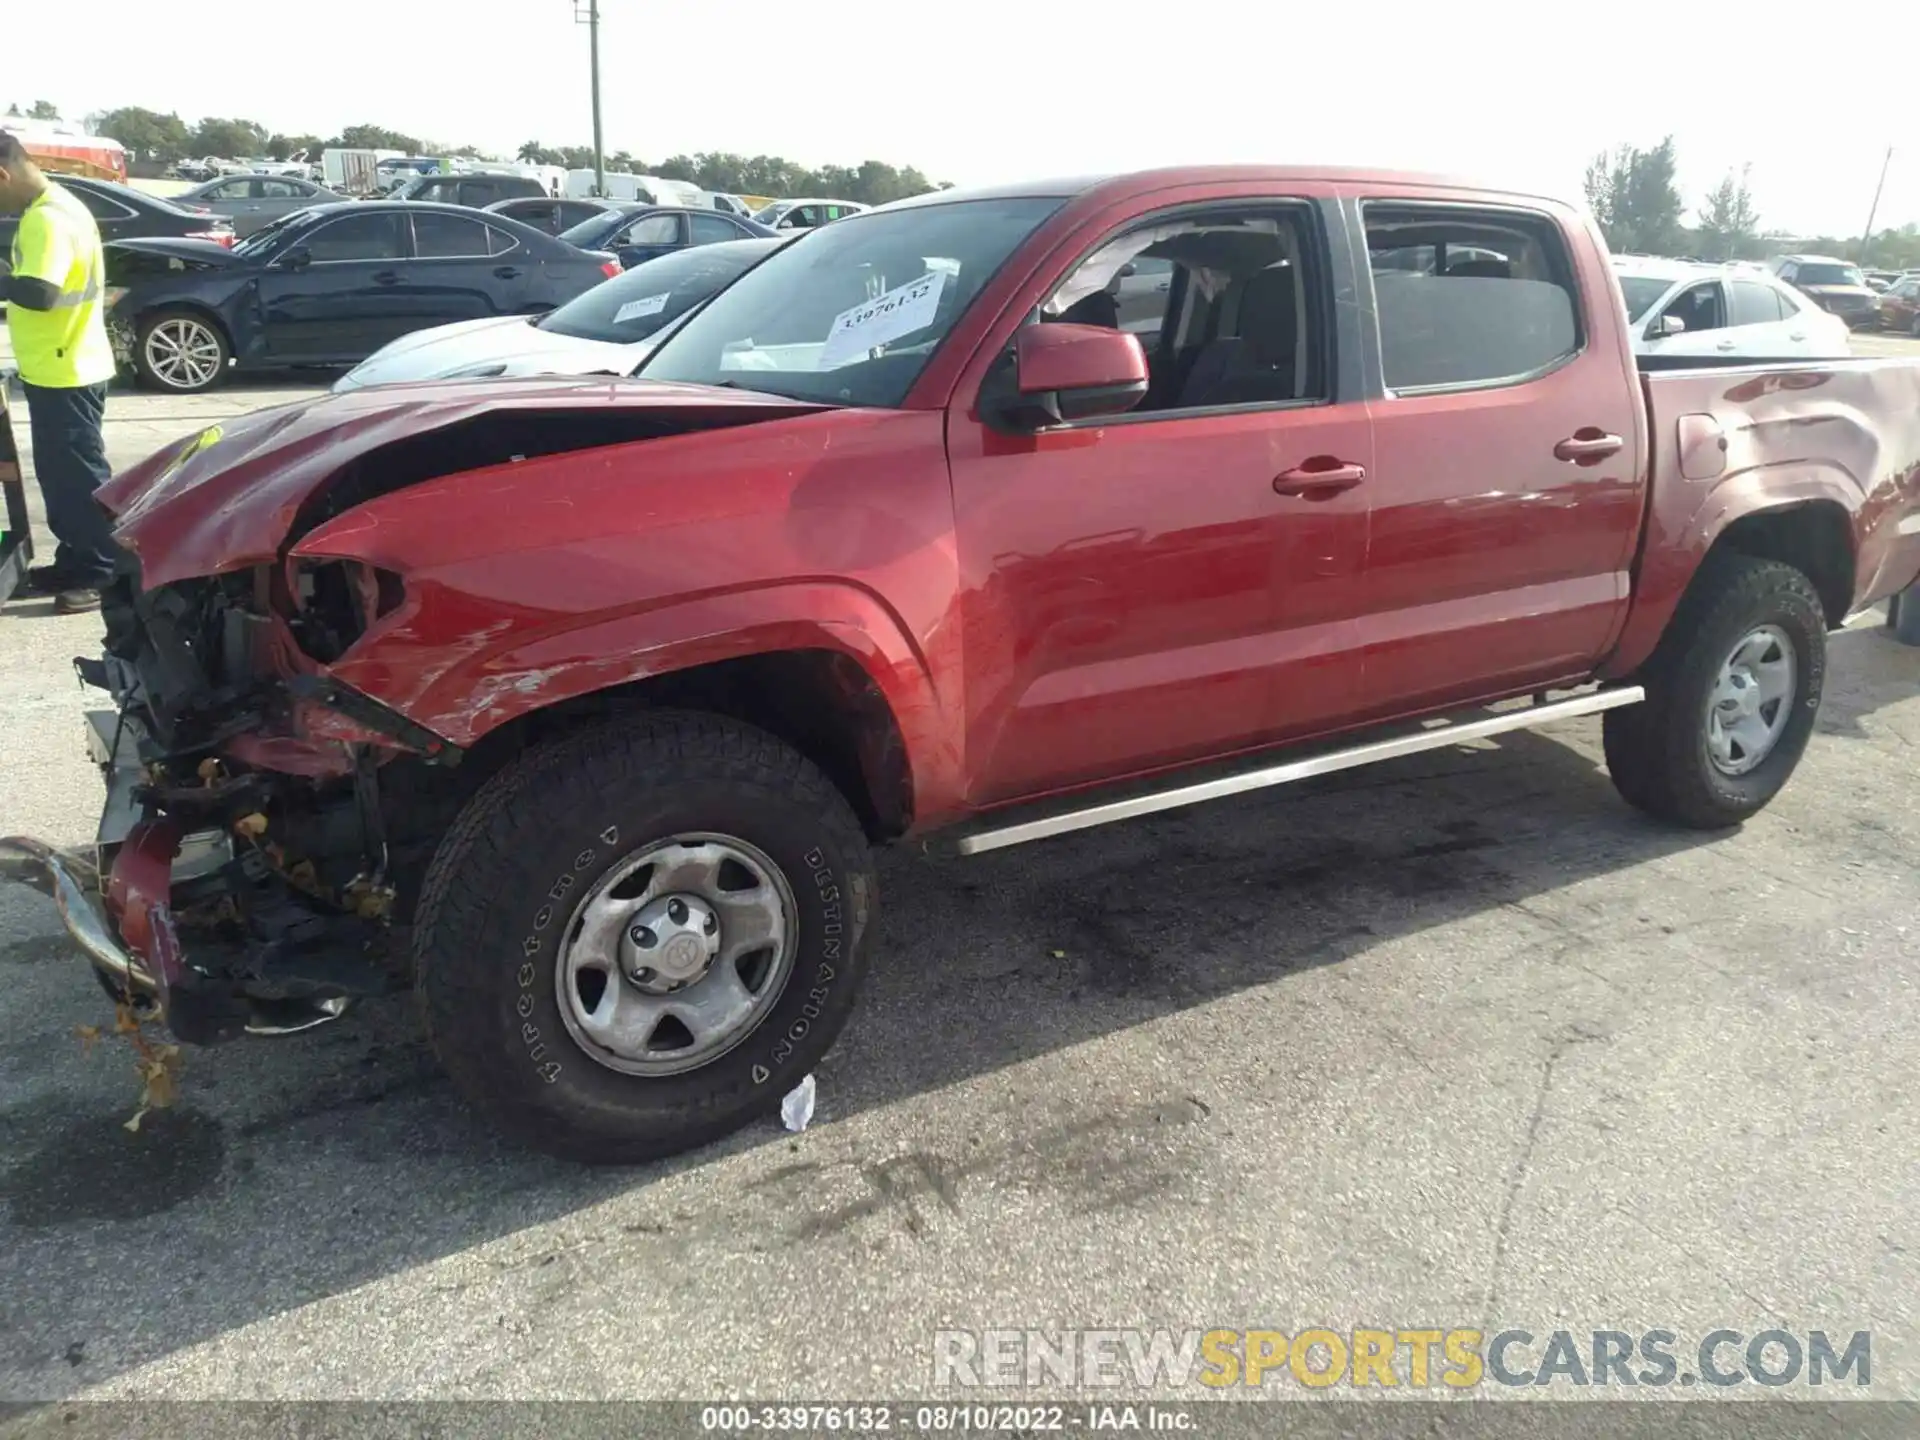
x: 796, y: 1111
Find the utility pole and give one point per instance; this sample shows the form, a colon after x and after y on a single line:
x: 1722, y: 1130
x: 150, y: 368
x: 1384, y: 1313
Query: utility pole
x: 1866, y: 240
x: 590, y: 17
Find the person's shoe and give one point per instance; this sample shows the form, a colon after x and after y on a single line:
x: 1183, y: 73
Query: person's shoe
x: 76, y: 602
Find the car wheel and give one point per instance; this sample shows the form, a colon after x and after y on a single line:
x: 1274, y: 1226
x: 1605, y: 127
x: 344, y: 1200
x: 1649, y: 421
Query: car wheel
x: 1732, y: 694
x: 639, y: 937
x: 182, y: 351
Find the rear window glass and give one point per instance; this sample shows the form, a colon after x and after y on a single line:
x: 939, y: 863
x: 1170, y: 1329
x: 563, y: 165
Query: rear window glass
x: 1489, y: 300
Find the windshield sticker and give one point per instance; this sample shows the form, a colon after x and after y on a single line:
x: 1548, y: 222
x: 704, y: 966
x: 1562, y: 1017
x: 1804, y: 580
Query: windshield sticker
x: 899, y: 312
x: 634, y: 309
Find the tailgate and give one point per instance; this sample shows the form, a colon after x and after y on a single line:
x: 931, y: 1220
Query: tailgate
x: 1727, y: 442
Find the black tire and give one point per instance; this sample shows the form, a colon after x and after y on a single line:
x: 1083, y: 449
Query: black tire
x: 1657, y: 751
x: 154, y: 375
x: 557, y: 821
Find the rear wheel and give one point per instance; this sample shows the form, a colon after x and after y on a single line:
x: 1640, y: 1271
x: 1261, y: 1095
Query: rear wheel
x: 1732, y: 694
x: 638, y: 938
x: 180, y: 351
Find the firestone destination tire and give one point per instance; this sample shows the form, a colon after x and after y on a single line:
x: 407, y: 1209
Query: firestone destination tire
x: 1732, y: 694
x: 639, y: 937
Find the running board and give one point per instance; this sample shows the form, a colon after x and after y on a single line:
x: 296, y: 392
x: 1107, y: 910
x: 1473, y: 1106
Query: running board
x: 1436, y: 736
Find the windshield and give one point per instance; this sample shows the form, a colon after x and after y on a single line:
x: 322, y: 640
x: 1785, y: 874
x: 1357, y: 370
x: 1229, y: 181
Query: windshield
x: 641, y: 301
x: 1827, y: 275
x: 267, y: 236
x: 1641, y: 293
x: 851, y: 312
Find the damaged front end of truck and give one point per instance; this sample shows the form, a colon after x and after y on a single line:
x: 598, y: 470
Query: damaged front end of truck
x: 265, y: 823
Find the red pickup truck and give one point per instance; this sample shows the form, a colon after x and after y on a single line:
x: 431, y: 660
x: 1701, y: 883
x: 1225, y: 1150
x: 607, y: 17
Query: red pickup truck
x: 577, y: 704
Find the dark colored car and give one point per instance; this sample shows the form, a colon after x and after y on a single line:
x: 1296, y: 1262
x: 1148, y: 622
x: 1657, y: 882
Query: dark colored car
x: 124, y: 213
x: 474, y: 191
x: 543, y: 212
x: 328, y: 286
x: 639, y: 233
x: 256, y: 201
x: 1900, y: 306
x: 1836, y: 286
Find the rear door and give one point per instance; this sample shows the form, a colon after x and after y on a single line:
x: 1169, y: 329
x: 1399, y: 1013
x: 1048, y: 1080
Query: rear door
x: 1762, y: 324
x: 455, y: 274
x: 1506, y: 499
x: 340, y: 304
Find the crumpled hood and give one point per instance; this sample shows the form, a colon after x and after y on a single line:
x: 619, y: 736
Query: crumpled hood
x: 512, y: 342
x: 225, y: 499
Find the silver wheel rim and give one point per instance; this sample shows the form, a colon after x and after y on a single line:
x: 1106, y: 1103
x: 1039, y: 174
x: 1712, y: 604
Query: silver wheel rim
x: 676, y: 955
x: 1751, y: 702
x: 183, y: 353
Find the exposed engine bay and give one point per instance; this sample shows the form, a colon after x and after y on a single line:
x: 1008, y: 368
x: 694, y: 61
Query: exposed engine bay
x: 257, y: 859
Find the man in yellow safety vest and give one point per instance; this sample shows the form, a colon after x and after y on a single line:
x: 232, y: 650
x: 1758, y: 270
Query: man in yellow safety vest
x: 56, y: 319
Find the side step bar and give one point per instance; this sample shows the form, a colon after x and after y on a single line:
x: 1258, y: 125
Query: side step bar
x: 1436, y: 736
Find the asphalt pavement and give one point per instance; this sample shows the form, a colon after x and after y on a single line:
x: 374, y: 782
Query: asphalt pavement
x: 1458, y: 1041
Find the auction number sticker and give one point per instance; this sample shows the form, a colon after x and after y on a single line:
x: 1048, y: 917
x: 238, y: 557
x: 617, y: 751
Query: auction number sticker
x: 635, y: 309
x: 886, y: 318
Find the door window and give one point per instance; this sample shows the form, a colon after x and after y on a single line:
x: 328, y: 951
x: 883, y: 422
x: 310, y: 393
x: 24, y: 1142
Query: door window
x: 651, y: 230
x: 101, y: 206
x: 801, y: 217
x: 711, y: 229
x: 1468, y: 298
x: 478, y: 193
x: 440, y: 236
x: 280, y: 190
x: 1701, y: 307
x: 1239, y: 320
x: 233, y: 190
x: 499, y: 242
x: 373, y: 236
x: 1755, y: 304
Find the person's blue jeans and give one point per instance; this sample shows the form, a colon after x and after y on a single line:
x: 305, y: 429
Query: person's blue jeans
x: 70, y: 461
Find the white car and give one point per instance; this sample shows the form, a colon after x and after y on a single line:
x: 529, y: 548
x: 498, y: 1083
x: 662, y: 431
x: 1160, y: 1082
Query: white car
x: 1677, y: 307
x: 806, y: 214
x: 608, y: 330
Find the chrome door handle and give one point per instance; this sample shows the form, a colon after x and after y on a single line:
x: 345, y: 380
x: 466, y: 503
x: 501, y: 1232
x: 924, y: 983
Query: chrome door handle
x: 1323, y: 482
x: 1588, y: 446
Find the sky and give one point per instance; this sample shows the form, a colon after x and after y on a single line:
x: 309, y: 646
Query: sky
x: 992, y: 90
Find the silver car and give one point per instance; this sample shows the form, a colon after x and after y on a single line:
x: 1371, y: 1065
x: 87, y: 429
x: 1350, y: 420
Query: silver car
x: 255, y: 201
x: 608, y: 330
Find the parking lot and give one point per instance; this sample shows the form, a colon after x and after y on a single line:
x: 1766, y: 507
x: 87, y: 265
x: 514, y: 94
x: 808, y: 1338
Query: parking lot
x: 1456, y: 1041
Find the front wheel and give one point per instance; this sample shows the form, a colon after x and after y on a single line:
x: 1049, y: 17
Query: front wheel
x: 180, y: 351
x: 639, y: 937
x: 1732, y: 694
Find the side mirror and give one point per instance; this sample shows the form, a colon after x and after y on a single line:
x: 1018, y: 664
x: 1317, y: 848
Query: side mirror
x: 1668, y: 325
x: 1128, y: 271
x: 1074, y: 372
x: 297, y: 258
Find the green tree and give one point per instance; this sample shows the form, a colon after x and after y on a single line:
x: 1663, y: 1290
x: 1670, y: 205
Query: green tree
x: 377, y: 137
x: 230, y: 139
x: 285, y: 147
x: 147, y: 134
x: 534, y: 153
x: 43, y: 110
x: 1635, y: 201
x: 1729, y: 226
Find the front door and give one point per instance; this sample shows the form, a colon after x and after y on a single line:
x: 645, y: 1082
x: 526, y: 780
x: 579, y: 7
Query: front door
x: 1702, y: 323
x: 1179, y: 582
x: 330, y: 293
x: 1507, y: 498
x: 649, y: 237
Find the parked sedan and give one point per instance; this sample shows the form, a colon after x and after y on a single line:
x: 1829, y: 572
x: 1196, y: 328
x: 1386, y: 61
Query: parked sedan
x: 328, y: 286
x: 123, y: 212
x: 553, y: 216
x: 1679, y: 308
x: 639, y: 233
x: 608, y: 330
x: 255, y: 201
